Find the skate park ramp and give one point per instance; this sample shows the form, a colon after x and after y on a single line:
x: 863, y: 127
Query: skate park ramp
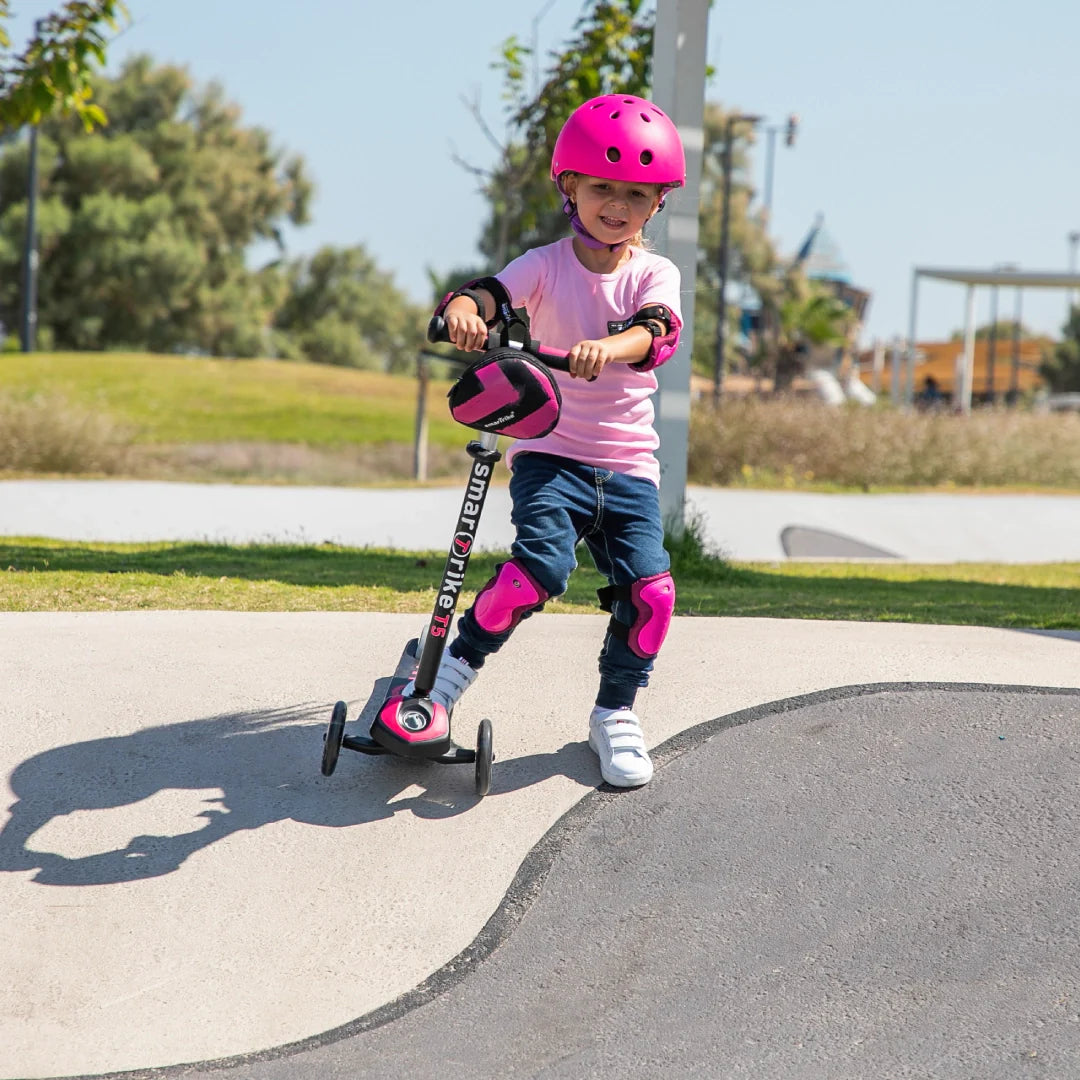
x: 182, y: 885
x: 867, y: 882
x: 804, y: 542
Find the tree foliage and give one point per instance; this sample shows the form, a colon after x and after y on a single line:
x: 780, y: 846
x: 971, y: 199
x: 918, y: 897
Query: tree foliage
x: 611, y: 52
x: 808, y: 315
x: 1004, y: 330
x: 1061, y: 368
x: 53, y: 72
x: 145, y: 225
x: 753, y: 263
x: 146, y: 229
x: 341, y: 309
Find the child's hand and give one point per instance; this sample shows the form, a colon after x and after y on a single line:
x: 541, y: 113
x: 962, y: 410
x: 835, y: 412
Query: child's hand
x: 466, y: 330
x: 588, y: 358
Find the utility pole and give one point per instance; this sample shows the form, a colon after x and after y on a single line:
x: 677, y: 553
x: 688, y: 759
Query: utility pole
x: 1074, y: 241
x: 722, y: 257
x: 30, y: 251
x: 30, y: 247
x: 789, y: 129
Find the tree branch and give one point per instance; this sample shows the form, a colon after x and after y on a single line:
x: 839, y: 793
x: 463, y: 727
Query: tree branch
x: 478, y: 116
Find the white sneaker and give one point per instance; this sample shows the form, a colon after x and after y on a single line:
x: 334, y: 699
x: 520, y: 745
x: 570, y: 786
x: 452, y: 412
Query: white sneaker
x: 616, y: 736
x: 454, y: 677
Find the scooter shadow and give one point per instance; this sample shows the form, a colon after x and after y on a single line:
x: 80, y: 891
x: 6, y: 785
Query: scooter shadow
x: 266, y: 766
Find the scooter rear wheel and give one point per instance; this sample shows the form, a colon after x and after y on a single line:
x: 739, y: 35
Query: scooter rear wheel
x: 484, y: 757
x: 335, y: 733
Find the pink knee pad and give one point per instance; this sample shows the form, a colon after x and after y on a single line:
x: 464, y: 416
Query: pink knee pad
x: 503, y: 601
x: 654, y: 602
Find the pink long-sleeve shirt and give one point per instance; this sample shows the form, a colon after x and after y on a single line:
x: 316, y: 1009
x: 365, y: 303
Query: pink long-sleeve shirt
x: 607, y: 423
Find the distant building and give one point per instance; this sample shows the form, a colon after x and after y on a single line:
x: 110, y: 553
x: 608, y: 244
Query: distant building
x: 939, y: 362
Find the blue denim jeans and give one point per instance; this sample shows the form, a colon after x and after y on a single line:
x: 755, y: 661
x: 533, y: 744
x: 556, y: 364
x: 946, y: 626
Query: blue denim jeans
x: 556, y: 503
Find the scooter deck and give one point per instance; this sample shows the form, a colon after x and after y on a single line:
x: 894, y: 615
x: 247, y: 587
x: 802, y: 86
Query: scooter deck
x: 386, y: 688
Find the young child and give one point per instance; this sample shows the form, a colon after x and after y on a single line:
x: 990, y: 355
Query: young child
x: 613, y: 307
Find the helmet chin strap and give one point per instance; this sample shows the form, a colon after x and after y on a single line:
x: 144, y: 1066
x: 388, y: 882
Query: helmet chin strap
x: 586, y: 237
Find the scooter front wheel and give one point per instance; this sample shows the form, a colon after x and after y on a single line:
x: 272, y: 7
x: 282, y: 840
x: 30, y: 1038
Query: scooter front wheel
x: 484, y: 757
x: 335, y: 733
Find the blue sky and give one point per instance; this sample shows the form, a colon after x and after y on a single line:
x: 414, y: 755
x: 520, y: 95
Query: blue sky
x: 931, y: 133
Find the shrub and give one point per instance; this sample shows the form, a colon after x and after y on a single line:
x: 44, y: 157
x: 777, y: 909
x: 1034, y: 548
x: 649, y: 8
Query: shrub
x: 791, y: 442
x: 46, y: 434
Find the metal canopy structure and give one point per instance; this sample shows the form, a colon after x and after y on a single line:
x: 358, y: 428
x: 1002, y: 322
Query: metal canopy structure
x: 1037, y: 279
x: 1021, y: 279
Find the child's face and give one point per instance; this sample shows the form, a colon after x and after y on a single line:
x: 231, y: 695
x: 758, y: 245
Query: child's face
x: 612, y: 210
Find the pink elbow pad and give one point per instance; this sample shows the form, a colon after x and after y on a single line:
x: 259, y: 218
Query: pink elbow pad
x: 663, y: 348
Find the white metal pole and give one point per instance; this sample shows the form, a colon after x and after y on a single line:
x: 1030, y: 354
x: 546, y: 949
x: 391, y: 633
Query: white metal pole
x: 679, y: 47
x: 1074, y: 240
x: 895, y: 357
x: 879, y: 365
x: 964, y: 391
x: 913, y: 314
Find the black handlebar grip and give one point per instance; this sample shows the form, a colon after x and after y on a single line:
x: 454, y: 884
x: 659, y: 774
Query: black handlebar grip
x: 436, y: 329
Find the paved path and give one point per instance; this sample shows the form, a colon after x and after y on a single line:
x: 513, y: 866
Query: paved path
x: 744, y: 525
x: 180, y: 884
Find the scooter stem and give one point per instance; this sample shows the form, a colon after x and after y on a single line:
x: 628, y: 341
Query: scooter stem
x: 484, y: 453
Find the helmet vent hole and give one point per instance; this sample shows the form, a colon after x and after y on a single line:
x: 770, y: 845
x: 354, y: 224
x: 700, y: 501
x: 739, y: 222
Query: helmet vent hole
x: 646, y: 117
x: 646, y: 157
x: 615, y: 115
x: 613, y: 153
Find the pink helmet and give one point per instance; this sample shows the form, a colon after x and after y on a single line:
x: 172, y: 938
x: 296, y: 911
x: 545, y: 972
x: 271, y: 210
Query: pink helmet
x: 620, y: 137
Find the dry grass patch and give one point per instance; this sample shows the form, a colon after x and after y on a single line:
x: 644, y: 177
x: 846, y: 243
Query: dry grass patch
x: 797, y: 443
x: 46, y: 434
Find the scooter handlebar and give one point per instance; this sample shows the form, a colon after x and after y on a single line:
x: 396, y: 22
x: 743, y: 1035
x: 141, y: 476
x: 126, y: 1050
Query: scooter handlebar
x: 437, y: 331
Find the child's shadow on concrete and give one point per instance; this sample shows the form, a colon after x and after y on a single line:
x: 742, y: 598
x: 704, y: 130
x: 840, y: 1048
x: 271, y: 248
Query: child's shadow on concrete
x: 267, y: 768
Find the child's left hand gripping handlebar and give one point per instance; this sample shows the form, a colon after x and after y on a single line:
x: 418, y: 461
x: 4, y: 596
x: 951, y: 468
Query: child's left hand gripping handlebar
x: 436, y: 331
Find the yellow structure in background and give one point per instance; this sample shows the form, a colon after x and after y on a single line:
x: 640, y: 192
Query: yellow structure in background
x: 941, y: 360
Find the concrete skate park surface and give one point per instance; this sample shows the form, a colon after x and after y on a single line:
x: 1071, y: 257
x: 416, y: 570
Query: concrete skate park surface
x: 857, y: 857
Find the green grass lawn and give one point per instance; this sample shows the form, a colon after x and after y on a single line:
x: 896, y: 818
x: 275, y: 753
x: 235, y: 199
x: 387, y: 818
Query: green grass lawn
x: 184, y: 399
x: 48, y: 575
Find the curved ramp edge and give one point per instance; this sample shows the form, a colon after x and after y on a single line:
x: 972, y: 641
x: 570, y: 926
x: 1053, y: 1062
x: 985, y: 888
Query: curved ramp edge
x: 528, y: 883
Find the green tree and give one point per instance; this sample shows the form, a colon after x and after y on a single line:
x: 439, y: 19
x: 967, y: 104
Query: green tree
x: 53, y: 73
x: 808, y: 315
x: 144, y: 227
x: 1005, y: 329
x: 752, y: 260
x: 1061, y: 368
x: 610, y: 53
x: 342, y: 309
